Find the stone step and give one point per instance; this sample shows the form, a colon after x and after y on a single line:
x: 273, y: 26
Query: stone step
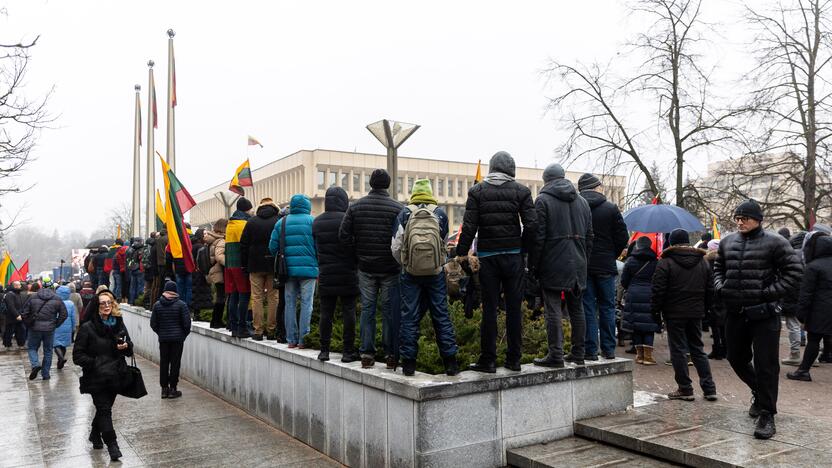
x: 574, y: 452
x: 710, y: 435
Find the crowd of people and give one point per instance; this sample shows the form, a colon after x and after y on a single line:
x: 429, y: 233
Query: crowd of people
x: 259, y: 271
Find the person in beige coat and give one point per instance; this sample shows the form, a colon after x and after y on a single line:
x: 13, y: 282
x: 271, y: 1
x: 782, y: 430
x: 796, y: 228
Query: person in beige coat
x: 215, y: 239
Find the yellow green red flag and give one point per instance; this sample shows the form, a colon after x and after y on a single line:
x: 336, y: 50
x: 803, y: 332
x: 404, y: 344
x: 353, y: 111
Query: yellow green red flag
x: 178, y: 202
x: 6, y: 269
x: 160, y: 212
x: 715, y: 228
x: 242, y: 178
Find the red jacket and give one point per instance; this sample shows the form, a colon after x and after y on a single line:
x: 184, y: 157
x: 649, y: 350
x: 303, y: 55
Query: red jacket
x: 121, y: 258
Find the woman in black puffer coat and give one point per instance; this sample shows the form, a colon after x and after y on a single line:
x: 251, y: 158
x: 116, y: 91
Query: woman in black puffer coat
x: 815, y: 300
x: 637, y: 280
x: 100, y: 348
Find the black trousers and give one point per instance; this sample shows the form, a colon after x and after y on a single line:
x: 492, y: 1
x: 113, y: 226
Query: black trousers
x: 14, y: 328
x: 554, y: 309
x: 757, y: 340
x: 327, y: 314
x: 281, y: 323
x: 501, y: 273
x: 170, y: 357
x: 102, y: 422
x: 813, y: 349
x: 685, y: 336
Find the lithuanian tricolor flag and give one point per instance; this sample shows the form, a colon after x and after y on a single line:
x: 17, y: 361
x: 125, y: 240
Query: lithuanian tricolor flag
x: 716, y: 233
x: 179, y: 201
x: 160, y: 212
x: 242, y: 178
x: 478, y: 176
x: 7, y: 269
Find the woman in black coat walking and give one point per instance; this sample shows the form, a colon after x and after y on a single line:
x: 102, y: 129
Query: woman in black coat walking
x: 637, y: 280
x: 815, y: 300
x: 100, y: 348
x: 172, y: 323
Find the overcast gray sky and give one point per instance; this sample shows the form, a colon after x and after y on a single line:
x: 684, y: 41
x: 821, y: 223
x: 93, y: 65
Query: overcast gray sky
x: 296, y: 75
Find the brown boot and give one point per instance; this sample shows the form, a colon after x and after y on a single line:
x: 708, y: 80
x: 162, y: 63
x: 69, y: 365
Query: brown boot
x: 648, y: 356
x: 639, y: 354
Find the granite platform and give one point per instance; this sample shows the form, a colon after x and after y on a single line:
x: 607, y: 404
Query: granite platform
x: 377, y: 417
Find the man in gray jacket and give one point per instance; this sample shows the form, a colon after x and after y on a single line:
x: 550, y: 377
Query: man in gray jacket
x: 42, y: 314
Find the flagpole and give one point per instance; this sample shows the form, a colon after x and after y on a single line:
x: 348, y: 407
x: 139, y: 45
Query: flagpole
x: 136, y: 217
x: 253, y: 193
x: 171, y: 144
x: 151, y: 162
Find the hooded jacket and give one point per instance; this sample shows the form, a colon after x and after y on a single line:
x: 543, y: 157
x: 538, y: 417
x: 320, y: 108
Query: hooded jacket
x: 637, y: 281
x: 14, y: 304
x: 564, y: 237
x: 170, y: 319
x: 494, y: 211
x: 254, y: 241
x: 755, y: 268
x: 95, y: 352
x: 233, y: 233
x: 337, y: 262
x: 44, y: 311
x: 300, y: 250
x: 216, y: 248
x: 815, y: 301
x: 366, y: 226
x: 610, y: 231
x: 682, y: 284
x: 63, y: 334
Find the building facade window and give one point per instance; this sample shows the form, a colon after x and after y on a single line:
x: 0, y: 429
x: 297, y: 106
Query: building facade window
x: 345, y: 180
x: 440, y: 187
x: 410, y: 181
x: 321, y: 179
x: 366, y: 182
x: 460, y: 188
x: 400, y: 185
x: 356, y: 181
x: 333, y: 179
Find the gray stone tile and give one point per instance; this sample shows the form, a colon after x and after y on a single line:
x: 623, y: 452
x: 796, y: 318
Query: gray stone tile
x: 533, y: 409
x: 457, y: 421
x: 734, y: 452
x: 798, y: 456
x: 318, y: 406
x: 675, y: 446
x: 334, y: 417
x: 300, y: 408
x: 537, y: 437
x: 353, y: 423
x: 617, y: 391
x: 287, y: 398
x: 481, y: 454
x: 400, y: 431
x: 375, y: 427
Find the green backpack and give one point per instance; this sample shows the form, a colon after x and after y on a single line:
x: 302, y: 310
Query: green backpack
x: 423, y: 249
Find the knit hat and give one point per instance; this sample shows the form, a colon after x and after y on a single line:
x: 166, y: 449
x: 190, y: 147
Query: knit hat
x: 421, y: 187
x: 713, y: 244
x: 380, y: 179
x: 784, y: 231
x: 678, y: 237
x: 243, y: 204
x: 644, y: 242
x: 170, y: 286
x: 502, y: 162
x: 750, y: 209
x: 553, y: 171
x: 588, y: 181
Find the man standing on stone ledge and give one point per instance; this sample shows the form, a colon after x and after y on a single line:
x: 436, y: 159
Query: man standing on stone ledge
x: 753, y: 270
x: 558, y: 259
x: 494, y: 211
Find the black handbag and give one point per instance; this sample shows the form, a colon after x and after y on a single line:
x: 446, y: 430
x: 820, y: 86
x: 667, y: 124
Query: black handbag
x: 759, y: 311
x: 281, y: 268
x: 133, y: 381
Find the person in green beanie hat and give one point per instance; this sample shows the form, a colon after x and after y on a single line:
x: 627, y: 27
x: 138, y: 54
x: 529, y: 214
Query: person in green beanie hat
x: 420, y: 236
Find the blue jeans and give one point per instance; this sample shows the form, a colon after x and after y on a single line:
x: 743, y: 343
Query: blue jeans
x: 238, y: 311
x: 136, y: 285
x: 35, y: 340
x: 419, y: 294
x: 599, y: 307
x: 643, y: 338
x: 303, y: 290
x: 386, y: 287
x: 184, y: 283
x: 117, y: 284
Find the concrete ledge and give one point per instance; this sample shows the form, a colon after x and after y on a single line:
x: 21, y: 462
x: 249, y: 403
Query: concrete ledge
x: 376, y: 417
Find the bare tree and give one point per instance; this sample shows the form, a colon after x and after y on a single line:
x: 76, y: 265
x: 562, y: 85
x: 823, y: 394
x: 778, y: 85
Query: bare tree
x: 595, y: 102
x: 21, y: 118
x: 120, y: 216
x: 792, y: 100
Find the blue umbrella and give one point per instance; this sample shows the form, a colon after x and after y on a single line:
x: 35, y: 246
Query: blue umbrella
x: 661, y: 218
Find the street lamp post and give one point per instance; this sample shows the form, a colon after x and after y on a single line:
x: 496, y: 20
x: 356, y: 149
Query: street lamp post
x: 392, y: 134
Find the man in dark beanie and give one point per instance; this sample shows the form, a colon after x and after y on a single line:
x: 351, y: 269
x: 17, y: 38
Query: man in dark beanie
x: 237, y: 285
x: 753, y: 270
x: 610, y: 240
x: 171, y: 320
x: 367, y: 227
x: 681, y: 293
x: 558, y: 259
x: 494, y: 211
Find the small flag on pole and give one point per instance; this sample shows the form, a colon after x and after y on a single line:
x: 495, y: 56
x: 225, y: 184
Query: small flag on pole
x: 242, y: 178
x: 254, y: 141
x: 21, y: 273
x: 160, y: 212
x: 715, y: 228
x: 6, y: 269
x: 478, y: 176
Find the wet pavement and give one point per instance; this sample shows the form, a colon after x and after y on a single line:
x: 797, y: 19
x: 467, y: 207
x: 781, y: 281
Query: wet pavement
x: 809, y: 399
x: 46, y: 423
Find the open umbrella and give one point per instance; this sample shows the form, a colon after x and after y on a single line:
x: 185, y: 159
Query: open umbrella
x: 661, y: 218
x: 99, y: 242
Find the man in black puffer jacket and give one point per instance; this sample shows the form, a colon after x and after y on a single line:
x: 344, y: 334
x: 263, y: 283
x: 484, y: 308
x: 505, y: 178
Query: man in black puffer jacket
x: 682, y: 291
x: 367, y: 226
x: 42, y: 314
x: 755, y: 269
x: 558, y: 258
x: 258, y: 262
x: 493, y: 213
x: 338, y: 276
x: 171, y: 320
x: 599, y: 298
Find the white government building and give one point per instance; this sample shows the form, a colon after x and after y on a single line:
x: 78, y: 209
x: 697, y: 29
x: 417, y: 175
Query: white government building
x: 311, y: 172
